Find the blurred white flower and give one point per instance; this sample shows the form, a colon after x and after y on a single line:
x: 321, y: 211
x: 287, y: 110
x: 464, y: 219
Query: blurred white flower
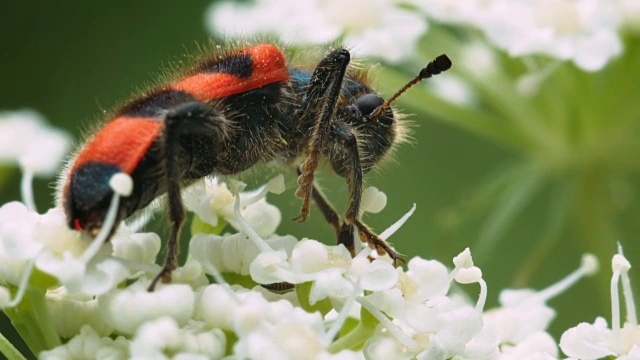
x: 524, y: 312
x: 377, y: 28
x: 630, y: 10
x: 89, y: 345
x: 127, y: 309
x: 27, y: 139
x: 72, y: 312
x: 594, y: 341
x: 453, y: 89
x: 583, y: 31
x: 463, y: 12
x: 164, y: 339
x: 46, y: 240
x: 404, y: 314
x: 587, y: 341
x: 538, y: 345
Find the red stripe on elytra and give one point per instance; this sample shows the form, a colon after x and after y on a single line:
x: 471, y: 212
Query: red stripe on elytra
x: 122, y: 142
x: 269, y: 66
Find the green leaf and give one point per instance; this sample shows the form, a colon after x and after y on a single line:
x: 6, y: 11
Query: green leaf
x: 33, y: 322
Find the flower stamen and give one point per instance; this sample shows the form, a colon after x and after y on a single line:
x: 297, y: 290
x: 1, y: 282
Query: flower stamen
x: 24, y: 282
x: 26, y: 188
x: 122, y: 185
x: 588, y: 266
x: 411, y: 344
x: 628, y: 294
x: 247, y: 229
x: 395, y: 226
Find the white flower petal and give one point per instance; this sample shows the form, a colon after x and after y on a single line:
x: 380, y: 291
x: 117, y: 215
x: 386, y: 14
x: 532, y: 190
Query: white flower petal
x: 373, y: 200
x: 16, y: 226
x: 329, y: 283
x: 70, y: 313
x: 157, y: 338
x: 429, y: 278
x: 539, y: 345
x: 127, y: 309
x: 89, y: 345
x: 142, y: 247
x: 380, y: 275
x: 469, y: 275
x: 26, y: 138
x: 264, y: 218
x: 587, y: 341
x: 272, y: 267
x: 221, y: 315
x: 310, y: 256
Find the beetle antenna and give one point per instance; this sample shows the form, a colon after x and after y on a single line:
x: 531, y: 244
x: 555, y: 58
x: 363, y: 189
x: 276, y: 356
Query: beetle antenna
x: 440, y: 64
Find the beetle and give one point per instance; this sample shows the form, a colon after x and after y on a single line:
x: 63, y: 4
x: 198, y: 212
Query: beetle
x: 239, y: 106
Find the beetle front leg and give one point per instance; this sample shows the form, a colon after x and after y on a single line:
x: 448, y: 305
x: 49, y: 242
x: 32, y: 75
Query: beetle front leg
x: 321, y: 99
x: 350, y: 166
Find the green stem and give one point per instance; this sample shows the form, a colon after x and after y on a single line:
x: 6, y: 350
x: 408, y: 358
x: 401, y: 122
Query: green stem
x: 8, y: 350
x: 353, y: 339
x: 302, y: 291
x: 32, y: 320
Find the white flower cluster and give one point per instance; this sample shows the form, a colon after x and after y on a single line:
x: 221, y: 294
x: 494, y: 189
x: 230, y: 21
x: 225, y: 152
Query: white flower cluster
x: 583, y: 31
x: 28, y: 141
x: 341, y: 307
x: 377, y: 28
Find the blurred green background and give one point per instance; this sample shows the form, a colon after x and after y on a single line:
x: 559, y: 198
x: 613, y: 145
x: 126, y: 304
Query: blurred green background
x: 70, y: 60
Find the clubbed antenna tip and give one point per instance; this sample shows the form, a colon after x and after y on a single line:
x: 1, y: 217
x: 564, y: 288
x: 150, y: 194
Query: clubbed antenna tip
x: 435, y: 67
x: 438, y: 65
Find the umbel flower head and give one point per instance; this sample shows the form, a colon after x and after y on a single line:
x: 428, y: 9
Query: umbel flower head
x: 73, y: 297
x: 341, y: 307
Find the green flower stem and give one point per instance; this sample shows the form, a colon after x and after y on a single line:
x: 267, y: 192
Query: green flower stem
x: 302, y: 291
x: 356, y: 338
x: 199, y: 226
x: 33, y: 322
x: 8, y: 350
x: 231, y: 340
x: 353, y: 340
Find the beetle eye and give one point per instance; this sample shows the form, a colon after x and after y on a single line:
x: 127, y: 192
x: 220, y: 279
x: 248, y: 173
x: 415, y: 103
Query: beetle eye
x: 368, y: 103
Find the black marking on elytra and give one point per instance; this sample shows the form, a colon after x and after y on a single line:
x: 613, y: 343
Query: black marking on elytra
x: 90, y: 183
x: 240, y: 65
x: 153, y: 105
